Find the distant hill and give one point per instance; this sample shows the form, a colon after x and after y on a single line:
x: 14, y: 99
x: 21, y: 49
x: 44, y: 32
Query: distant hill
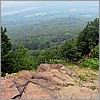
x: 46, y: 33
x: 45, y: 24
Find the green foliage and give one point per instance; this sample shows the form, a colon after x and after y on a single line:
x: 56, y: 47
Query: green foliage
x: 93, y: 87
x: 69, y: 51
x: 96, y: 52
x: 14, y: 61
x: 5, y: 51
x: 82, y: 77
x: 89, y: 37
x: 22, y: 59
x: 5, y: 42
x: 92, y: 63
x: 43, y: 35
x: 73, y: 50
x: 44, y: 56
x: 45, y: 48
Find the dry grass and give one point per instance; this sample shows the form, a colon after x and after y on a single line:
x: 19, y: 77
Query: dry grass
x: 86, y: 74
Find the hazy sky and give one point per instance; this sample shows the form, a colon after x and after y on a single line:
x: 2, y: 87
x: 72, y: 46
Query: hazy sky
x: 13, y: 3
x: 13, y: 7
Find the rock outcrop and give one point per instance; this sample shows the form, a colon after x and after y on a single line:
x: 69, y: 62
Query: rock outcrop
x: 51, y: 81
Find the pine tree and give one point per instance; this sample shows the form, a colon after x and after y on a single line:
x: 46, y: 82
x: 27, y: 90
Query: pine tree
x: 89, y: 37
x: 5, y: 50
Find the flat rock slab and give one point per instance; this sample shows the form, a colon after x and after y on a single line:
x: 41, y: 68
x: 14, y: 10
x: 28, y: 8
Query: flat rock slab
x: 45, y: 84
x: 46, y: 74
x: 25, y: 74
x: 42, y: 75
x: 6, y: 82
x: 96, y: 83
x: 65, y: 70
x: 87, y: 84
x: 58, y: 74
x: 20, y: 81
x: 56, y: 81
x: 9, y: 92
x: 44, y: 67
x: 76, y: 92
x: 33, y: 91
x: 56, y: 66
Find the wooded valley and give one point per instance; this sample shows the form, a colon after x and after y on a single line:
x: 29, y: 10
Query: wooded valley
x: 62, y: 48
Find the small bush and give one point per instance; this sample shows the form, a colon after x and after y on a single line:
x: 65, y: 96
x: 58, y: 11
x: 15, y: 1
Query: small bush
x: 93, y: 87
x: 96, y: 52
x: 92, y: 63
x: 82, y: 77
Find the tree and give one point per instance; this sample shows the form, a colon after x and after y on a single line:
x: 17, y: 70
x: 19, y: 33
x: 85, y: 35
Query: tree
x: 5, y: 51
x: 45, y: 56
x: 89, y: 37
x: 22, y: 59
x: 69, y: 51
x: 13, y: 61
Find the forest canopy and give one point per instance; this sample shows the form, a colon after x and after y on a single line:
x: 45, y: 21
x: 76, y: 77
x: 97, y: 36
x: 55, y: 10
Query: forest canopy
x: 73, y: 50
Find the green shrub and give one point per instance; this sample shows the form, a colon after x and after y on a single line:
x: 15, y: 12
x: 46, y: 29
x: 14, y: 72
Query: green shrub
x: 93, y: 87
x: 92, y: 63
x: 83, y: 77
x: 96, y: 52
